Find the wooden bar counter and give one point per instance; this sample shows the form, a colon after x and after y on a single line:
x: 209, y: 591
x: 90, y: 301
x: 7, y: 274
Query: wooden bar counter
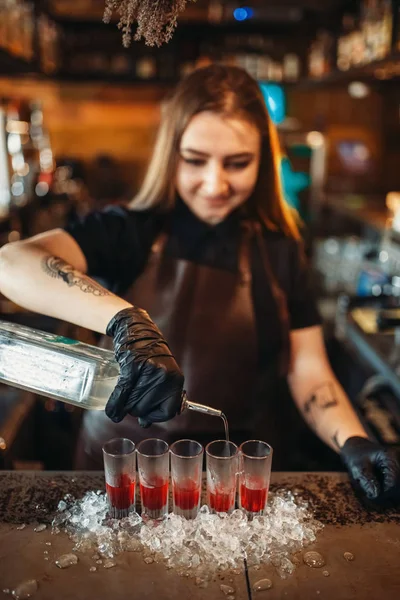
x: 31, y: 497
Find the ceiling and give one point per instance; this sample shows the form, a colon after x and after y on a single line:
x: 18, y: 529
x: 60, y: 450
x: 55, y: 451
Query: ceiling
x: 264, y: 10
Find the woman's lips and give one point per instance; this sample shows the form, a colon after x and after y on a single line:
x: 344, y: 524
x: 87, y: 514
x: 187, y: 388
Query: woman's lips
x: 216, y: 202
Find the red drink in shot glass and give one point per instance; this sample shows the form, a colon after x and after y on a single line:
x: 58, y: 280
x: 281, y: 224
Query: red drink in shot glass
x: 122, y: 496
x: 253, y: 496
x: 186, y: 495
x: 120, y: 476
x: 186, y: 474
x: 220, y: 501
x: 154, y: 494
x: 255, y: 459
x: 153, y: 468
x: 222, y: 468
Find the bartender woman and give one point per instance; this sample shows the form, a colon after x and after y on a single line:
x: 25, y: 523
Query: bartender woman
x: 202, y: 284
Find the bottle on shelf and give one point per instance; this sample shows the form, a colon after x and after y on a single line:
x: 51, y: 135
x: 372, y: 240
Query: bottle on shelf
x: 377, y: 28
x: 49, y: 36
x: 320, y: 55
x: 291, y: 67
x: 349, y: 44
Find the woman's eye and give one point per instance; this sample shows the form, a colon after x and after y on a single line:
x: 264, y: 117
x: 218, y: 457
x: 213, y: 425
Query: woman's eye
x: 196, y: 162
x: 238, y: 165
x: 200, y: 162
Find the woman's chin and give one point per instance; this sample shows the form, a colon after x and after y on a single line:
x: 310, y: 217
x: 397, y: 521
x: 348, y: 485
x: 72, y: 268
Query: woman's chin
x: 214, y: 220
x: 213, y: 216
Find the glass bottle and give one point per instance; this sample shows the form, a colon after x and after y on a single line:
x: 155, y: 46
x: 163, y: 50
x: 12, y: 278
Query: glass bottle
x: 56, y: 367
x: 63, y: 369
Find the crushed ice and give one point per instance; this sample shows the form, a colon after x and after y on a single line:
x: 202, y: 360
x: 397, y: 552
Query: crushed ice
x: 200, y: 547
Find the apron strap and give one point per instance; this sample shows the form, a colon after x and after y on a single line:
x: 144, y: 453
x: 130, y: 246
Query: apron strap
x: 279, y: 297
x: 244, y: 259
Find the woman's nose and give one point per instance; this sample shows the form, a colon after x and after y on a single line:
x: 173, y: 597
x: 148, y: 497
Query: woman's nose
x: 215, y: 182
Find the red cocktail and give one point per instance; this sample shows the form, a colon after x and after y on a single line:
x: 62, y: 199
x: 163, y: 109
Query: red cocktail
x: 255, y: 473
x: 221, y: 501
x: 121, y: 498
x: 186, y: 470
x: 120, y: 476
x: 187, y: 494
x: 253, y: 499
x: 222, y: 468
x: 153, y: 467
x: 154, y: 495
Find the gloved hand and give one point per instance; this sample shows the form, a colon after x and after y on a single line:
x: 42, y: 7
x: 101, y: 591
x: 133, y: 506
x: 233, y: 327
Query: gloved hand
x: 374, y: 470
x: 150, y: 383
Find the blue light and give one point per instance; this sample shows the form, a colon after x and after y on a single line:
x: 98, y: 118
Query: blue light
x: 243, y: 13
x: 293, y: 182
x: 240, y: 14
x: 274, y: 97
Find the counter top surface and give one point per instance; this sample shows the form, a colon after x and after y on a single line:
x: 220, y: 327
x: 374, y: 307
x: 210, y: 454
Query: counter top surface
x: 31, y: 498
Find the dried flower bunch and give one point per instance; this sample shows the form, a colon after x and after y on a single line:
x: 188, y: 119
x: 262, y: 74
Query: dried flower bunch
x: 156, y: 19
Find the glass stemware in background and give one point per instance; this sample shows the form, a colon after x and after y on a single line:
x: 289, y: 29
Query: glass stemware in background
x: 222, y: 468
x: 186, y: 475
x: 255, y: 459
x: 120, y: 476
x: 153, y: 468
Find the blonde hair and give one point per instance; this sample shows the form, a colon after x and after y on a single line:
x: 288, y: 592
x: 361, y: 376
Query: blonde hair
x: 229, y: 91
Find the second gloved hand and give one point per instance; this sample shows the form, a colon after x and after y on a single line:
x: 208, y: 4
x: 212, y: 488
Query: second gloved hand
x: 374, y: 470
x: 150, y: 383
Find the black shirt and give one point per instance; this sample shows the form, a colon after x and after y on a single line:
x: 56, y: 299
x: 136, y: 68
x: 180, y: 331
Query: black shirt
x: 116, y: 243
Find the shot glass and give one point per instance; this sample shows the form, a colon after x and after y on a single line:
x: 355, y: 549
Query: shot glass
x: 186, y: 473
x: 255, y: 459
x: 153, y: 467
x: 120, y: 475
x: 222, y: 468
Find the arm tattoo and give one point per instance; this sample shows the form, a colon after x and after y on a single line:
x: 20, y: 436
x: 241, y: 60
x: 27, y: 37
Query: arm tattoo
x: 321, y: 398
x: 59, y: 269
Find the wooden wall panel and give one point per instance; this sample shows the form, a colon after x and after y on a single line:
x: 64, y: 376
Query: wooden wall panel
x: 86, y: 120
x: 340, y: 117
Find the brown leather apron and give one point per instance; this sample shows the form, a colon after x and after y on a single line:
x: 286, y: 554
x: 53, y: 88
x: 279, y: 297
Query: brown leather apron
x: 207, y: 316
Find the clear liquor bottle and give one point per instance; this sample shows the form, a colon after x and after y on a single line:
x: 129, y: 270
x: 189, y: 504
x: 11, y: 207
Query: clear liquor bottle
x: 64, y: 369
x: 56, y: 367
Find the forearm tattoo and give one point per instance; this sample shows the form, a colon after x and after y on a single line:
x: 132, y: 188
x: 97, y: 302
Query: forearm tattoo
x: 321, y: 398
x: 59, y: 269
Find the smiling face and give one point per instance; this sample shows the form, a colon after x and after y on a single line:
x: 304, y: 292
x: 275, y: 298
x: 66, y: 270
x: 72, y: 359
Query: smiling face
x: 218, y: 164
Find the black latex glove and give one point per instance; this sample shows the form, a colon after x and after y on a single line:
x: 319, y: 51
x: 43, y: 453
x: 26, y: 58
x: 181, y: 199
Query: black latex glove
x: 374, y: 470
x: 150, y: 383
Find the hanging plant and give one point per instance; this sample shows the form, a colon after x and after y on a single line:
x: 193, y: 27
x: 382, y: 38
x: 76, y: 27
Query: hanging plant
x: 156, y: 19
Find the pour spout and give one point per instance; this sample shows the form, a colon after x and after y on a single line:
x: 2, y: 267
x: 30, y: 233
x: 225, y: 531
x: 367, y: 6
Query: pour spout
x: 202, y: 408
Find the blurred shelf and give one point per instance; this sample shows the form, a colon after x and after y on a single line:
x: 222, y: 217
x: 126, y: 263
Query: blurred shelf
x: 88, y: 41
x: 368, y: 72
x: 82, y: 79
x: 109, y: 78
x: 14, y: 65
x: 370, y: 210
